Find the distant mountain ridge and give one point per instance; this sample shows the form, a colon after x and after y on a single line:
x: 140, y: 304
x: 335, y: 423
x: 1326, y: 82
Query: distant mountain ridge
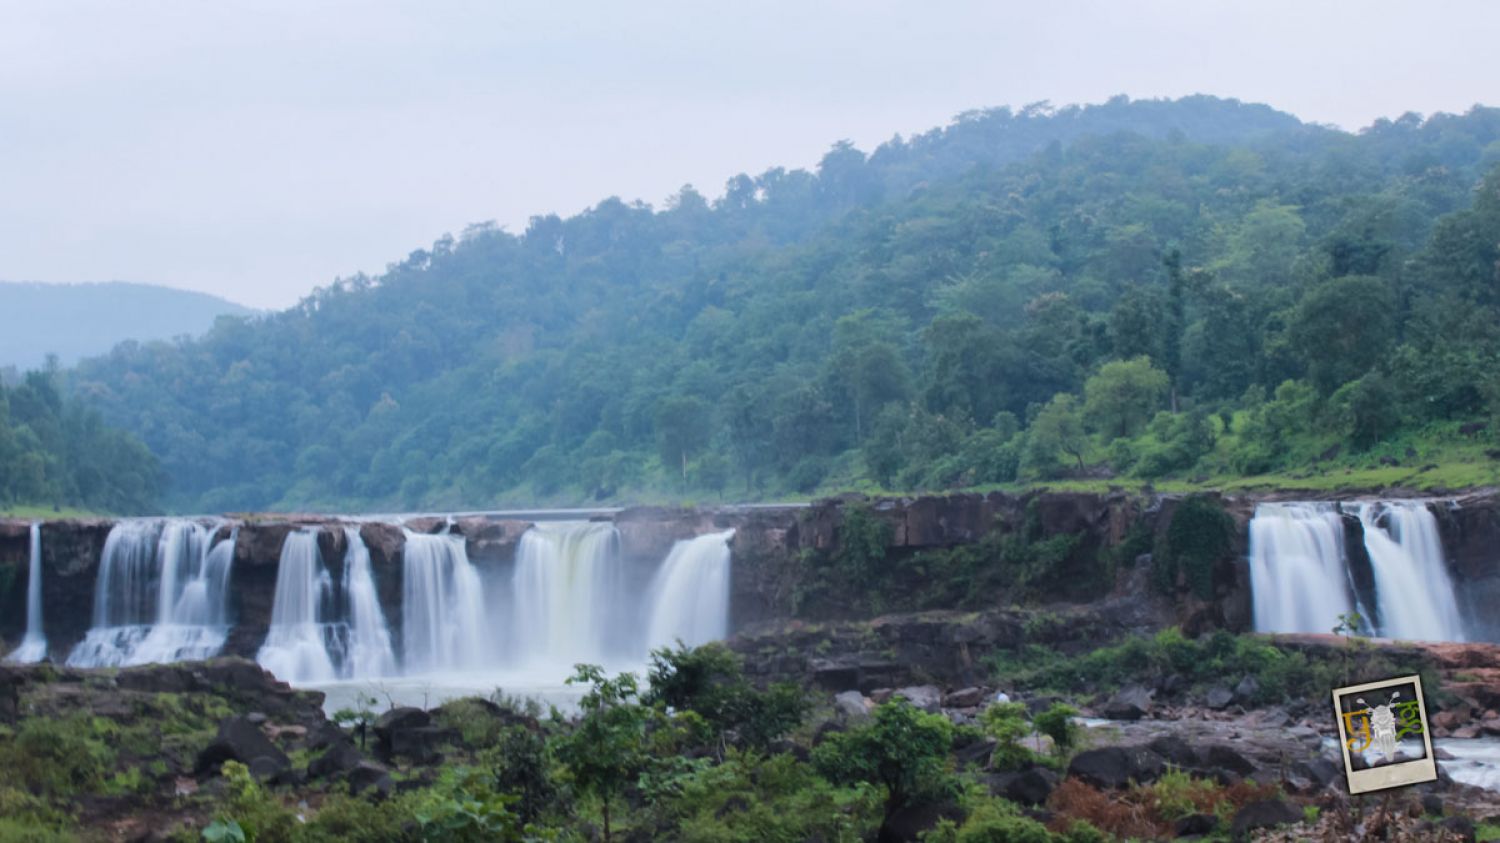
x: 75, y: 321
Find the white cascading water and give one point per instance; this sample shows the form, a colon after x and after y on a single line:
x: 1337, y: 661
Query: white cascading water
x: 34, y: 644
x: 369, y: 649
x: 443, y: 626
x: 1411, y: 574
x: 1300, y: 579
x: 1298, y: 575
x: 689, y: 597
x: 297, y: 645
x: 161, y: 595
x: 565, y: 591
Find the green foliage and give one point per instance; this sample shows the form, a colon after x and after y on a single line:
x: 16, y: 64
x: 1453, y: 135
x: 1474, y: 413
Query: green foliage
x: 901, y: 749
x: 1007, y: 724
x: 1057, y: 723
x: 708, y: 680
x: 56, y: 451
x: 223, y: 831
x: 605, y: 750
x: 58, y: 757
x: 861, y: 324
x: 1197, y: 542
x: 463, y: 808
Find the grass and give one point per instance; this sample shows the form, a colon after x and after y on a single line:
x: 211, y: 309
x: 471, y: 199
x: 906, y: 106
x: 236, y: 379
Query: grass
x: 46, y: 512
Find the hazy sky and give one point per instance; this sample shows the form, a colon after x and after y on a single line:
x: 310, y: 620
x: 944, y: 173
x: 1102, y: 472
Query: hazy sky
x: 257, y: 150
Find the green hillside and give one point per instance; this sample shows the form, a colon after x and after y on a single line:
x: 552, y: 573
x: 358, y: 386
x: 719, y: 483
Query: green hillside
x: 1168, y: 291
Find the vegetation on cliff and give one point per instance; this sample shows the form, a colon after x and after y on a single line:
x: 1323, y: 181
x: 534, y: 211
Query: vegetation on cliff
x: 57, y: 453
x: 1155, y: 290
x: 218, y: 751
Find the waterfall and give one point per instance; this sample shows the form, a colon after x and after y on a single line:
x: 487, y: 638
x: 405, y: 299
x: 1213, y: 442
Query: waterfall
x: 1411, y: 575
x: 161, y: 595
x: 34, y: 644
x: 1298, y: 577
x: 1302, y: 579
x: 566, y: 590
x: 443, y: 620
x: 689, y: 597
x: 369, y: 648
x: 297, y: 646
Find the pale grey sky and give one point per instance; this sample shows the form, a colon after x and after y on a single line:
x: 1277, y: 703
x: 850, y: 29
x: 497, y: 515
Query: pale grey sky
x: 259, y: 149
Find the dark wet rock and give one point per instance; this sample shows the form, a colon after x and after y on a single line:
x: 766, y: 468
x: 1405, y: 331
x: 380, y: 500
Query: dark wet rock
x: 370, y: 776
x: 1244, y: 693
x: 1113, y: 767
x: 421, y: 745
x: 1220, y: 757
x: 964, y: 698
x: 1174, y: 750
x: 1320, y: 771
x: 1462, y: 827
x: 264, y: 768
x: 1432, y: 804
x: 338, y: 760
x: 976, y: 754
x: 906, y: 823
x: 404, y: 717
x: 1267, y: 813
x: 1195, y: 824
x: 1031, y: 787
x: 1131, y: 703
x: 1219, y: 698
x: 239, y: 740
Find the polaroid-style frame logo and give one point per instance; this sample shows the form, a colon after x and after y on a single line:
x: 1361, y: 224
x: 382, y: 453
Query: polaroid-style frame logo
x: 1384, y: 735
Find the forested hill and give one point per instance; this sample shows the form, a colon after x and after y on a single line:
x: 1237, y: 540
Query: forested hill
x: 1153, y: 289
x: 73, y: 321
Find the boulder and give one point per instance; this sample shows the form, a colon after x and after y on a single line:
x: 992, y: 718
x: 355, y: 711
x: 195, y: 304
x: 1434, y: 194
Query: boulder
x: 964, y: 698
x: 1267, y: 813
x: 422, y: 745
x: 852, y: 704
x: 243, y: 741
x: 401, y: 718
x: 1220, y: 757
x: 1174, y: 751
x: 1114, y: 767
x: 926, y: 697
x: 1244, y: 693
x: 370, y: 776
x: 1461, y: 827
x: 1130, y: 703
x: 338, y: 760
x: 1219, y: 698
x: 1320, y: 771
x: 1198, y: 824
x: 1031, y: 787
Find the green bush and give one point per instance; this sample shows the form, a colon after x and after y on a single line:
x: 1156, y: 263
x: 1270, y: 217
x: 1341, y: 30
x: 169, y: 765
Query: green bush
x: 900, y: 748
x: 1198, y: 539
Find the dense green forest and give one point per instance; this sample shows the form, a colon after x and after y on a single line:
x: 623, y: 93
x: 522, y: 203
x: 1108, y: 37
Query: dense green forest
x: 1185, y: 289
x: 57, y: 453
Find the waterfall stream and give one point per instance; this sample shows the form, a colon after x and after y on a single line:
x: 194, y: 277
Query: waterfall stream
x: 1303, y: 577
x: 161, y: 595
x: 34, y: 644
x: 298, y: 643
x: 689, y: 598
x: 369, y: 649
x: 567, y: 592
x: 443, y: 627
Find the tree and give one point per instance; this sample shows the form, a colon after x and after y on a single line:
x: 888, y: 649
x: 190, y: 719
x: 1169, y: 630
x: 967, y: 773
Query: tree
x: 901, y: 748
x: 1340, y: 327
x: 1122, y: 397
x: 682, y: 429
x: 1058, y: 427
x: 606, y: 748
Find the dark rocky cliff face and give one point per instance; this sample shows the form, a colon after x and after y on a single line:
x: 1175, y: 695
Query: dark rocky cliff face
x: 775, y: 549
